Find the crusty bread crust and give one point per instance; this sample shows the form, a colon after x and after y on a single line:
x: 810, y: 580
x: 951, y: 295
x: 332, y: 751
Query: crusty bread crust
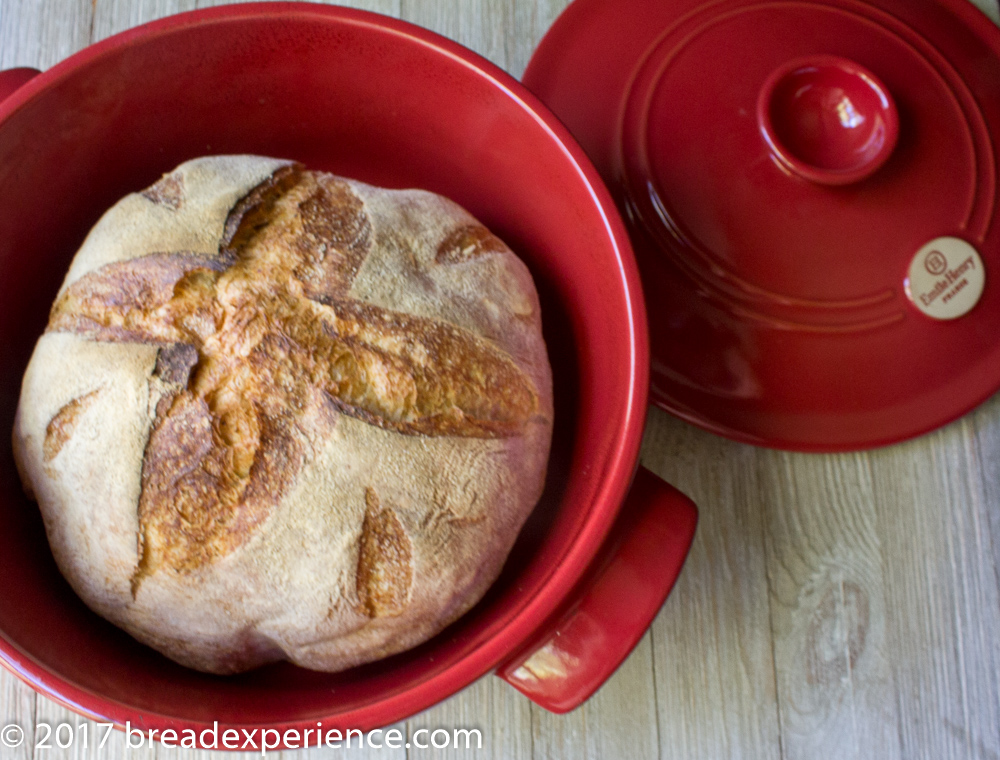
x: 279, y: 414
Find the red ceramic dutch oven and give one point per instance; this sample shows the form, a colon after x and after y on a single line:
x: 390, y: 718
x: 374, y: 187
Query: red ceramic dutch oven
x: 390, y: 104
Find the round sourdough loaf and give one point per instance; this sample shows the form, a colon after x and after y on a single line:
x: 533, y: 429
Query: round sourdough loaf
x: 279, y: 414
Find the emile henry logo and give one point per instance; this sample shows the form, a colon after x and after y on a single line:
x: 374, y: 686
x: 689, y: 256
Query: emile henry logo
x: 936, y: 264
x: 945, y: 278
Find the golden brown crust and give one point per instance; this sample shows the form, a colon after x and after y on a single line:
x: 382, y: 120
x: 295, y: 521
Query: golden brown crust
x: 123, y: 301
x: 200, y: 500
x: 61, y: 427
x: 263, y: 344
x: 253, y: 211
x: 468, y: 242
x: 385, y: 572
x: 335, y: 238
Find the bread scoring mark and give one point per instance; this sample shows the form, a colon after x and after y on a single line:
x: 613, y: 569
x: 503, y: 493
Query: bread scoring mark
x: 419, y: 376
x: 198, y: 501
x: 62, y: 426
x: 254, y: 210
x: 131, y: 301
x: 467, y: 243
x: 336, y: 237
x: 385, y: 572
x: 262, y: 347
x: 167, y: 191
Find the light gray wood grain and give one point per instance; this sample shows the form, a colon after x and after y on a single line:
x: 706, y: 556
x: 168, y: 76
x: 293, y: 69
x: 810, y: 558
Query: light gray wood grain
x: 985, y: 423
x: 828, y: 608
x: 630, y: 695
x: 498, y: 712
x: 487, y: 26
x: 17, y: 708
x: 713, y: 649
x: 941, y: 582
x: 41, y: 33
x: 386, y: 7
x: 832, y: 606
x: 113, y: 16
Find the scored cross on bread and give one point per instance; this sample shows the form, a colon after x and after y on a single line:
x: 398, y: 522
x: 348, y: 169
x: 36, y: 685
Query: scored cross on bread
x: 262, y: 347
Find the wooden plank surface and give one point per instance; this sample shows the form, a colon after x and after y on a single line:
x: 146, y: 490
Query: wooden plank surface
x: 832, y: 607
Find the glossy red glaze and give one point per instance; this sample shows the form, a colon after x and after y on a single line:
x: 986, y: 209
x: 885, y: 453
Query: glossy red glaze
x: 387, y: 103
x: 828, y: 119
x: 12, y: 79
x: 778, y: 314
x: 568, y: 660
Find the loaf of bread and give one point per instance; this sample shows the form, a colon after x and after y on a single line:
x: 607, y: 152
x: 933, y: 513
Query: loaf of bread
x: 278, y: 414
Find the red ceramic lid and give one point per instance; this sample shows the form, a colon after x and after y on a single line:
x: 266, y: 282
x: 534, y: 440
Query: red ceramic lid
x: 811, y: 189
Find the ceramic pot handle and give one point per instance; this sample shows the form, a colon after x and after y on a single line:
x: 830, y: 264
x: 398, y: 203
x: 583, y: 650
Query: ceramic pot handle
x: 611, y: 608
x: 12, y: 79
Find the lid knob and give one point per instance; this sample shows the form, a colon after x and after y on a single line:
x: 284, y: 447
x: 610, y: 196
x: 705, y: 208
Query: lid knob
x: 827, y: 119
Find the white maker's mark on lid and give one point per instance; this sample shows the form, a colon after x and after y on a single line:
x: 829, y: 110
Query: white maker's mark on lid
x: 946, y: 278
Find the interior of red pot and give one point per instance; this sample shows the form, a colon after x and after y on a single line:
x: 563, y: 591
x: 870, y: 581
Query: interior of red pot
x: 340, y: 93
